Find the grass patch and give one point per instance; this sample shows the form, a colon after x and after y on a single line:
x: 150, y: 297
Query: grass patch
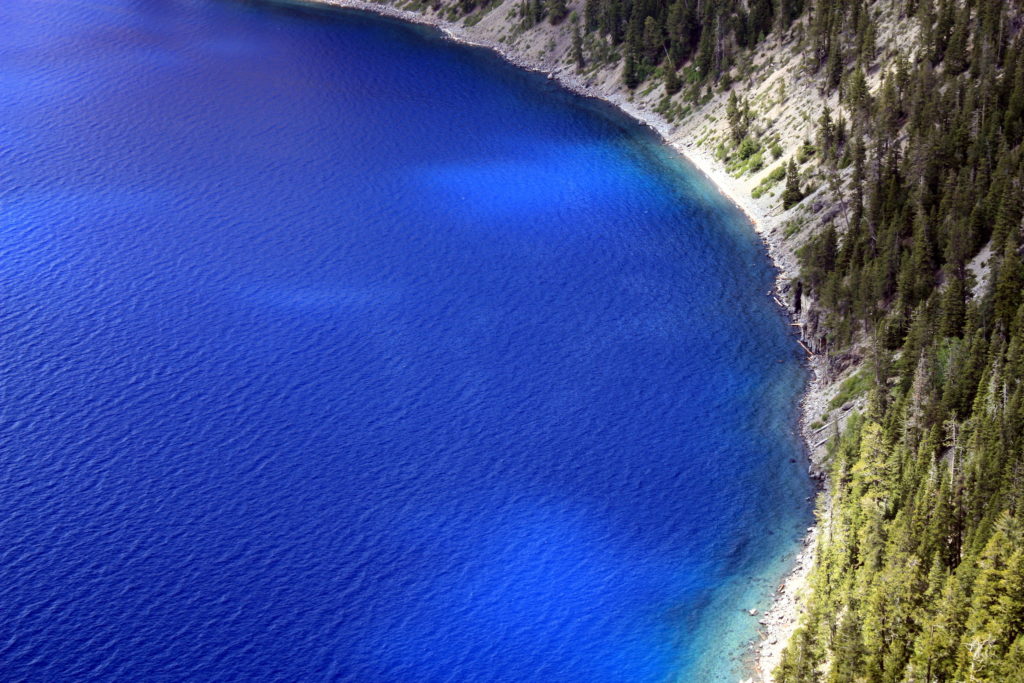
x: 672, y: 111
x: 854, y: 386
x: 769, y: 181
x: 748, y: 158
x: 806, y: 151
x: 793, y: 226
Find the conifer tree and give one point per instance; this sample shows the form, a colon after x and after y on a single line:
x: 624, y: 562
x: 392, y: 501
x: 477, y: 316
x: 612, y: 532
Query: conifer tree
x: 577, y: 48
x: 653, y: 42
x: 737, y: 118
x: 672, y: 82
x: 792, y: 195
x: 591, y: 15
x: 631, y: 67
x: 956, y: 52
x: 1009, y: 285
x: 557, y: 10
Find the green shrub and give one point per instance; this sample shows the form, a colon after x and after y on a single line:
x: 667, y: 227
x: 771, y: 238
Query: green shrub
x: 777, y: 174
x: 769, y: 181
x: 756, y: 163
x: 854, y: 386
x: 806, y: 151
x: 747, y: 148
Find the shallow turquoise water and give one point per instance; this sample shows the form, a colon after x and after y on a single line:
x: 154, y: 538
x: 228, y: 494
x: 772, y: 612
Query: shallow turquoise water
x: 333, y: 351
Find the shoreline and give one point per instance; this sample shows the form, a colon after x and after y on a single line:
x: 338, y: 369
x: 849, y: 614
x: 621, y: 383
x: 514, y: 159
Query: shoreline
x: 779, y: 621
x: 570, y: 81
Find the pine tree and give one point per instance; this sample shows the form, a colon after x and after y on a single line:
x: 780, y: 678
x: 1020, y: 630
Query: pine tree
x: 956, y: 52
x: 922, y: 258
x: 1009, y: 609
x: 631, y: 68
x: 577, y: 48
x: 834, y: 64
x: 591, y: 16
x: 954, y: 305
x: 704, y: 60
x: 827, y: 134
x: 672, y: 82
x: 1011, y: 669
x: 847, y: 648
x: 1009, y: 287
x: 798, y: 662
x: 653, y: 42
x: 557, y: 11
x: 858, y: 98
x: 986, y: 635
x: 534, y: 13
x: 734, y: 112
x: 792, y: 195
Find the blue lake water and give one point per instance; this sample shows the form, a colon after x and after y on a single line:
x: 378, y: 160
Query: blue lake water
x: 333, y: 351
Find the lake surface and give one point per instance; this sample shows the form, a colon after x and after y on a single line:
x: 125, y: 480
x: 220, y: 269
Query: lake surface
x: 333, y: 351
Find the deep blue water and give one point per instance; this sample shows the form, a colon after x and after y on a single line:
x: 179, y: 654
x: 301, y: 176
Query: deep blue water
x: 333, y: 351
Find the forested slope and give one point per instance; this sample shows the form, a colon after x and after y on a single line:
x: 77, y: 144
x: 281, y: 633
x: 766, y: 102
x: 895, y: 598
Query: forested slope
x: 920, y: 568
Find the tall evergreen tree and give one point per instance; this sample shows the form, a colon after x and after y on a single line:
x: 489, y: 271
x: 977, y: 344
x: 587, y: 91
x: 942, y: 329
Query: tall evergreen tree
x: 792, y: 195
x: 577, y: 48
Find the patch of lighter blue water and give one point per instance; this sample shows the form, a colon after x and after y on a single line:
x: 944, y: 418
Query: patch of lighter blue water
x: 332, y: 351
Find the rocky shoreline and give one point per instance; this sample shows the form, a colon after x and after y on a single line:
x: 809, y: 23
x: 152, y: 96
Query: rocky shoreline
x: 778, y: 623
